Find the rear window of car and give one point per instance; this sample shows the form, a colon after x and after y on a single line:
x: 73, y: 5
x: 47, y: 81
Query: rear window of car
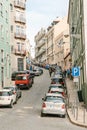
x: 57, y: 80
x: 54, y: 98
x: 4, y: 93
x: 56, y: 86
x: 21, y: 78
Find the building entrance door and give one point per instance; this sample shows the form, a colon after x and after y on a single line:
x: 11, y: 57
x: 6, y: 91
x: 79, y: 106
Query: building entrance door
x: 20, y: 64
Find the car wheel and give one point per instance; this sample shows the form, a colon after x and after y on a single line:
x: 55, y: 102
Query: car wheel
x: 16, y: 100
x: 11, y: 104
x: 63, y: 116
x: 42, y: 114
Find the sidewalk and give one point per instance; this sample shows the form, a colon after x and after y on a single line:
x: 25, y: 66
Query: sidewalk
x: 75, y: 109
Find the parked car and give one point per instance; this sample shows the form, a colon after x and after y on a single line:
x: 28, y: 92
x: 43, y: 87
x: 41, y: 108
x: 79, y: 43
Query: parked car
x: 7, y: 98
x: 16, y: 91
x: 15, y: 73
x: 23, y: 81
x: 56, y: 80
x: 53, y: 104
x: 38, y: 71
x: 56, y: 88
x: 32, y: 75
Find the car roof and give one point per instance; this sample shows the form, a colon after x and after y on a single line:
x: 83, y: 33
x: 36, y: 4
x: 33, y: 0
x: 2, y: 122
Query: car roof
x: 5, y: 90
x: 9, y: 87
x: 57, y: 89
x: 23, y: 75
x: 56, y: 84
x: 55, y: 77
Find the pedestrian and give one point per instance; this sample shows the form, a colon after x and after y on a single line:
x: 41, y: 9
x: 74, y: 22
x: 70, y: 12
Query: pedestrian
x: 50, y: 71
x: 64, y: 73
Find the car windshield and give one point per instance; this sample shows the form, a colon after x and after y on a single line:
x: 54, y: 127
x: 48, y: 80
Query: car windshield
x: 54, y: 98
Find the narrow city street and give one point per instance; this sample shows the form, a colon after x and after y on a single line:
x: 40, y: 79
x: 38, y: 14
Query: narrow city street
x: 25, y: 115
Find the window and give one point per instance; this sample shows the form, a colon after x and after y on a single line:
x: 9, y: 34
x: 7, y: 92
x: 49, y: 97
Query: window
x: 11, y: 28
x: 19, y: 46
x: 22, y: 46
x: 1, y: 9
x: 2, y: 55
x: 11, y: 7
x: 7, y: 34
x: 6, y: 16
x: 17, y: 29
x: 2, y: 30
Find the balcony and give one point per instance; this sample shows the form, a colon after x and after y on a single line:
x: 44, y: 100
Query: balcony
x: 41, y: 43
x: 20, y: 19
x: 21, y: 52
x: 19, y: 4
x: 43, y: 50
x: 20, y: 35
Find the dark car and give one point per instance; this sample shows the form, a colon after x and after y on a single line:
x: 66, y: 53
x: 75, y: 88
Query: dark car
x: 15, y: 73
x: 56, y: 80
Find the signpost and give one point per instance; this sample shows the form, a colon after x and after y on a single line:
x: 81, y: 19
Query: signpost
x: 76, y: 73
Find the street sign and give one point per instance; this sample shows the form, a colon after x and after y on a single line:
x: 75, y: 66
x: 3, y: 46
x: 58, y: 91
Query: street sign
x: 75, y: 79
x: 76, y: 71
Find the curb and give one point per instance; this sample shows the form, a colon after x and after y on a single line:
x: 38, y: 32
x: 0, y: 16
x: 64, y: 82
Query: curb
x: 75, y: 122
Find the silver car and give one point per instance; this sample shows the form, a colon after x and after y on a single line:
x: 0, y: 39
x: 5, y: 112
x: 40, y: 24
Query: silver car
x: 56, y: 88
x: 53, y: 104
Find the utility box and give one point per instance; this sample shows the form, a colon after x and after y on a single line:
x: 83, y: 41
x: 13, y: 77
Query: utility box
x: 84, y: 93
x: 80, y: 95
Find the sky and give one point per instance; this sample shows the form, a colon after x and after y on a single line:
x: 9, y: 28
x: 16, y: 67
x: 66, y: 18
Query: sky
x: 41, y: 13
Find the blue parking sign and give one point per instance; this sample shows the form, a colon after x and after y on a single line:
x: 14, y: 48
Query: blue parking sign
x: 76, y: 71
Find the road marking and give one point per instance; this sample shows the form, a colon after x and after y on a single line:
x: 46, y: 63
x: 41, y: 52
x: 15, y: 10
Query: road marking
x: 30, y: 107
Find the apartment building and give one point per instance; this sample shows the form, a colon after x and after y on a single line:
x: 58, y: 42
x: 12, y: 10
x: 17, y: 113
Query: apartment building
x: 18, y: 34
x: 40, y: 47
x: 62, y: 44
x: 5, y: 49
x: 77, y: 20
x: 58, y: 45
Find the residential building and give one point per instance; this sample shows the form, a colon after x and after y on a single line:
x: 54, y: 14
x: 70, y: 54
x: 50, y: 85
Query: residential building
x: 18, y: 34
x: 28, y: 53
x: 58, y: 45
x: 40, y: 48
x: 5, y: 50
x: 61, y: 43
x: 77, y: 19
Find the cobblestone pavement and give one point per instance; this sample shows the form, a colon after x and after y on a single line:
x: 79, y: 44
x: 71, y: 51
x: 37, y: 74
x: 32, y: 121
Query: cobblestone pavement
x: 75, y: 109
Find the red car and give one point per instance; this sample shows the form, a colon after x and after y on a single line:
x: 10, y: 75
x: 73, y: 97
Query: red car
x: 23, y: 81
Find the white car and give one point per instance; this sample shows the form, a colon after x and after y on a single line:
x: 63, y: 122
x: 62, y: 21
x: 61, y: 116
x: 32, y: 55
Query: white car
x: 53, y: 104
x: 56, y: 88
x: 16, y: 92
x: 6, y: 98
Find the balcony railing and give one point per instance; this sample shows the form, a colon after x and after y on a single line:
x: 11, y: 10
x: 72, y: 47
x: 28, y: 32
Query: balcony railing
x: 19, y: 4
x: 19, y: 52
x: 43, y: 50
x: 20, y: 35
x: 20, y: 19
x: 42, y: 42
